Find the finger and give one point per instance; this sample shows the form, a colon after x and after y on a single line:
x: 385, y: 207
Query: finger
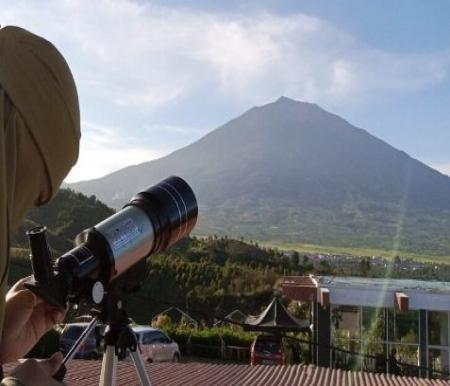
x: 19, y: 308
x: 19, y: 285
x: 52, y: 364
x: 39, y: 372
x: 57, y: 315
x: 42, y: 319
x: 24, y: 298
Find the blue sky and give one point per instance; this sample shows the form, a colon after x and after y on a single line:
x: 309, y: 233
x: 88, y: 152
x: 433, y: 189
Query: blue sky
x: 155, y: 76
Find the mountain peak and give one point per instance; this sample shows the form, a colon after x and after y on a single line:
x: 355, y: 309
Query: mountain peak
x: 285, y: 101
x: 298, y: 113
x: 284, y: 104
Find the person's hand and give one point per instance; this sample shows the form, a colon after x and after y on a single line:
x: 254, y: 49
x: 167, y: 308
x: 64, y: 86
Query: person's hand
x: 38, y: 372
x: 27, y: 318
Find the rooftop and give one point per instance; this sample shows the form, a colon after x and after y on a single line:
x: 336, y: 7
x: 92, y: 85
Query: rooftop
x: 439, y: 287
x: 84, y: 373
x: 370, y: 292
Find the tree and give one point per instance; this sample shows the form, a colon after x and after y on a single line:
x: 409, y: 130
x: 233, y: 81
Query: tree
x: 295, y: 258
x: 298, y: 309
x: 162, y: 321
x: 364, y: 266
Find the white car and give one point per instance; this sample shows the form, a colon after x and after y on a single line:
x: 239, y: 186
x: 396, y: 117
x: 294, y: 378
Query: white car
x: 155, y: 346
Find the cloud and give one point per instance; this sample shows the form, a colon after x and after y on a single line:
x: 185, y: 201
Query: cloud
x: 145, y: 56
x: 104, y: 150
x: 135, y: 62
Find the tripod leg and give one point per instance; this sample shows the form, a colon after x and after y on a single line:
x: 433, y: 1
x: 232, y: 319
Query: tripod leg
x: 109, y: 367
x: 140, y: 368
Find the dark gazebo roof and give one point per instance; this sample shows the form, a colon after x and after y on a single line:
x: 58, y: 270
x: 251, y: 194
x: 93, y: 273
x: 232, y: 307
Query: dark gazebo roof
x: 177, y: 316
x: 235, y: 317
x: 275, y: 318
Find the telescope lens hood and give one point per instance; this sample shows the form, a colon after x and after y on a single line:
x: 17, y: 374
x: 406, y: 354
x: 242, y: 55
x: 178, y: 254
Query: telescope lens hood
x: 172, y: 208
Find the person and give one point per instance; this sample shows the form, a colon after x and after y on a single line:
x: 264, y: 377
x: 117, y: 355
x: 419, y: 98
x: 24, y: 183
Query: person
x: 39, y: 143
x: 394, y: 368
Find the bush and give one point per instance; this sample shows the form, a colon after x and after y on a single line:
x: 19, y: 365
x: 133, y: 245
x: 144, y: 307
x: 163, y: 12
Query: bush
x: 211, y: 336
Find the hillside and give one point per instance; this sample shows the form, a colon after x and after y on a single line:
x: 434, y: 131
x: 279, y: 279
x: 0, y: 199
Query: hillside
x: 65, y: 216
x: 292, y: 171
x: 206, y: 276
x: 213, y: 276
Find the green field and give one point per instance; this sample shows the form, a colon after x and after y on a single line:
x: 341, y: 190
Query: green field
x: 311, y: 248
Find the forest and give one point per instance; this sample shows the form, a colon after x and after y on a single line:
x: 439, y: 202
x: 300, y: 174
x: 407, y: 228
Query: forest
x: 210, y: 276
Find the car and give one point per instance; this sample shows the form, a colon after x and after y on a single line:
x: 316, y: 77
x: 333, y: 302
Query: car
x: 269, y: 350
x: 155, y: 345
x: 90, y: 349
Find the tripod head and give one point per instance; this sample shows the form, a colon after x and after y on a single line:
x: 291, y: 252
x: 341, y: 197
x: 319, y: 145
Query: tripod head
x: 119, y: 338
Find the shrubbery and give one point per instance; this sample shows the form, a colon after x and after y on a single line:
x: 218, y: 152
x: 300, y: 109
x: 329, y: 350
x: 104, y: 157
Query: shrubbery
x: 210, y: 342
x: 208, y: 336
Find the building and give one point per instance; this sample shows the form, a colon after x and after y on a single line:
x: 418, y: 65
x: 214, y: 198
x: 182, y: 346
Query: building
x: 380, y: 325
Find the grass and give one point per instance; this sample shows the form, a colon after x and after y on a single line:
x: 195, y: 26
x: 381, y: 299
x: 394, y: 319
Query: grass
x: 312, y: 248
x: 353, y: 251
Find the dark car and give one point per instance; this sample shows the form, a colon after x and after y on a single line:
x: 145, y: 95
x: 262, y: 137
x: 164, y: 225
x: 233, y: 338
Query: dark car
x: 269, y: 350
x: 90, y: 349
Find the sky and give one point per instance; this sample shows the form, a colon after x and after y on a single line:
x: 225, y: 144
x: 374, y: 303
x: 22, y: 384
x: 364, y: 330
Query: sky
x: 154, y: 76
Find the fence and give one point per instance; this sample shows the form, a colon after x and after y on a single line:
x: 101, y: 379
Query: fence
x: 340, y: 358
x: 222, y: 352
x: 349, y: 360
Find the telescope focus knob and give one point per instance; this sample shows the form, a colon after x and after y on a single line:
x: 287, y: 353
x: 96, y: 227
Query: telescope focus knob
x: 98, y: 292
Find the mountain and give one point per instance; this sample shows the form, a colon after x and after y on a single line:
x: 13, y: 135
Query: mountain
x: 292, y: 171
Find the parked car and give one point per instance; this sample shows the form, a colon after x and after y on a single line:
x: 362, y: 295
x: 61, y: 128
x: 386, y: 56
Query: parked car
x: 90, y: 349
x: 155, y: 345
x: 269, y: 350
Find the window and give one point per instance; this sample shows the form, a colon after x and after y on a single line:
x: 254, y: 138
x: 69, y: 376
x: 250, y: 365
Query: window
x: 148, y: 338
x: 268, y: 346
x: 373, y: 324
x: 73, y: 332
x: 346, y: 336
x: 154, y: 337
x: 404, y: 327
x: 437, y: 328
x: 438, y: 361
x: 159, y: 337
x: 438, y: 355
x: 346, y: 322
x: 380, y: 334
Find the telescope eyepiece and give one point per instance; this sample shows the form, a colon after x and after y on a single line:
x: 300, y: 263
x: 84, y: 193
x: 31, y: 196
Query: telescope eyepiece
x: 41, y: 257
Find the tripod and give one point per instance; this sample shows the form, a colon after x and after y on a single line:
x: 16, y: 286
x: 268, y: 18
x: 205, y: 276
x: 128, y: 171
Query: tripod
x: 119, y: 339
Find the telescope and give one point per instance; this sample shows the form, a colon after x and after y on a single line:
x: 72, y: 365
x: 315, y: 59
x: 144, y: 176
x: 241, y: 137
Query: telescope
x: 107, y: 262
x: 153, y: 220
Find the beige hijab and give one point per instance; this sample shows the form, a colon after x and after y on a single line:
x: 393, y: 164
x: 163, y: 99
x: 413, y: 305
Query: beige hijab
x: 39, y: 130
